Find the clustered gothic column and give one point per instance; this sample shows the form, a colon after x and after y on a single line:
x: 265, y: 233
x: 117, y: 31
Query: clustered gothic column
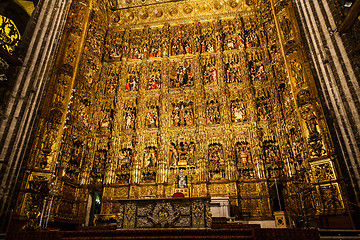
x: 336, y: 66
x: 41, y: 40
x: 58, y: 148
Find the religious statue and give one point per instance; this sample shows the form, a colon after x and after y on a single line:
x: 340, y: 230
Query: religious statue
x: 152, y: 118
x: 209, y: 75
x: 212, y: 112
x: 130, y: 115
x: 150, y: 157
x: 233, y: 73
x: 182, y: 183
x: 216, y: 155
x: 182, y: 114
x: 242, y: 153
x: 132, y: 83
x: 238, y: 111
x: 181, y: 76
x: 296, y: 68
x: 125, y: 158
x: 174, y: 156
x: 252, y: 39
x: 286, y: 27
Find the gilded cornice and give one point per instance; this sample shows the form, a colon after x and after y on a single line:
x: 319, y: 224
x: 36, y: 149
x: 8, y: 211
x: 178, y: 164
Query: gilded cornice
x: 153, y: 13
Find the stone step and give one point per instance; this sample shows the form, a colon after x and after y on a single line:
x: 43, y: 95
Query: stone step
x: 161, y: 237
x: 339, y: 232
x: 339, y: 238
x: 141, y: 233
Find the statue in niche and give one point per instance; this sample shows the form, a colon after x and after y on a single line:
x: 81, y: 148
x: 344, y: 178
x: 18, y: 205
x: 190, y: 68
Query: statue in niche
x: 257, y: 73
x: 242, y: 153
x: 111, y: 82
x: 314, y: 138
x: 165, y: 51
x: 310, y: 120
x: 150, y: 157
x: 240, y: 41
x: 182, y: 114
x: 182, y: 179
x: 212, y: 112
x: 181, y: 75
x: 230, y: 43
x: 152, y: 117
x: 233, y: 73
x: 154, y: 79
x: 207, y: 44
x: 125, y: 158
x: 138, y: 48
x: 132, y: 82
x: 252, y: 39
x: 174, y: 155
x: 105, y: 122
x: 182, y: 153
x: 156, y: 48
x: 264, y: 109
x: 216, y: 154
x: 181, y: 46
x: 272, y: 153
x: 286, y: 27
x: 296, y: 68
x: 260, y: 73
x: 238, y: 111
x: 130, y: 115
x: 209, y: 75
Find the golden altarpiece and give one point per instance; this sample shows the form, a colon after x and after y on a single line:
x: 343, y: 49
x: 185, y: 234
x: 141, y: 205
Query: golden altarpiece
x: 218, y: 93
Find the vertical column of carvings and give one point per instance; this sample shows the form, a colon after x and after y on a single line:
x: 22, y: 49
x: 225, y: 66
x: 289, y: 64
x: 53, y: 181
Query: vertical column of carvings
x: 88, y: 123
x: 201, y: 146
x: 44, y: 152
x: 318, y: 151
x: 163, y: 106
x: 284, y: 110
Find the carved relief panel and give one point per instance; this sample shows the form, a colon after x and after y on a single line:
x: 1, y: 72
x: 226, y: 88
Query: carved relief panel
x: 138, y: 46
x: 209, y: 72
x: 182, y: 114
x: 182, y: 41
x: 182, y: 73
x: 154, y: 75
x: 235, y: 68
x: 133, y: 76
x: 152, y: 113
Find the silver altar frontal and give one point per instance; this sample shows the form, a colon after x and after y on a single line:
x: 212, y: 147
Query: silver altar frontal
x: 160, y: 213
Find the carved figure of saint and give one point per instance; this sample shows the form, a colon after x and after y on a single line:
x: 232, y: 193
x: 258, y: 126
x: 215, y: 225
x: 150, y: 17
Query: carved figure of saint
x: 297, y: 70
x: 154, y: 80
x: 152, y: 119
x: 230, y: 44
x: 150, y: 158
x: 182, y: 183
x: 213, y: 113
x: 174, y: 156
x: 215, y: 154
x: 125, y: 158
x: 238, y: 112
x: 240, y: 41
x: 261, y: 75
x: 188, y: 117
x: 129, y: 120
x: 175, y: 117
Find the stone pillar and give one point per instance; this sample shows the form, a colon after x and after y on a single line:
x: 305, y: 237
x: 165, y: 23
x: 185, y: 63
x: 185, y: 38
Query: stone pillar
x: 40, y: 44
